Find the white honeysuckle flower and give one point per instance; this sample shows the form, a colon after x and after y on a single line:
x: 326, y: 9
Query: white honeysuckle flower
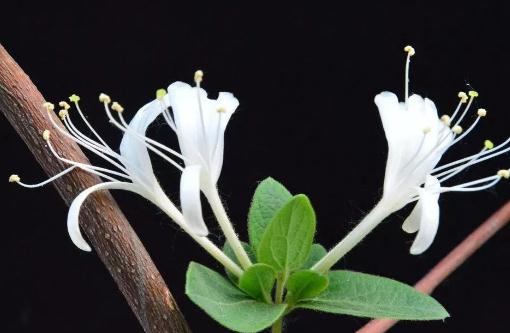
x: 200, y: 124
x: 134, y: 168
x: 417, y: 139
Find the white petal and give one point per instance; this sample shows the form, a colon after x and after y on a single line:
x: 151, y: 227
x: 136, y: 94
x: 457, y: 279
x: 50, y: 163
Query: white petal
x: 73, y: 226
x: 135, y: 152
x: 190, y: 200
x: 201, y: 133
x: 429, y: 220
x: 412, y: 222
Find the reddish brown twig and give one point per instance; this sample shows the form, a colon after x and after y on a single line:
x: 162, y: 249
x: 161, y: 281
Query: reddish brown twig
x: 450, y: 263
x: 110, y: 234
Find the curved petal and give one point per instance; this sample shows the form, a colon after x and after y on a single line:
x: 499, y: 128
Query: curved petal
x: 412, y: 222
x: 429, y: 216
x: 73, y: 226
x: 134, y: 151
x: 190, y: 200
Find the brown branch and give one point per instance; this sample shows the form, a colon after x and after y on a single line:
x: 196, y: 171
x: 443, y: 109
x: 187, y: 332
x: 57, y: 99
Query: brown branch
x: 110, y: 234
x: 450, y: 263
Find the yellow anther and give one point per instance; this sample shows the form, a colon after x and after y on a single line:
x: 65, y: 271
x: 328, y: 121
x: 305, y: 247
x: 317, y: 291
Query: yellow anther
x: 427, y: 130
x: 160, y: 93
x: 117, y: 107
x: 199, y: 76
x: 14, y: 179
x: 221, y: 109
x: 446, y: 120
x: 104, y: 98
x: 488, y: 144
x: 472, y: 93
x: 48, y: 106
x: 410, y: 50
x: 504, y: 173
x: 74, y: 98
x: 457, y: 129
x: 463, y: 97
x: 46, y: 135
x: 64, y: 105
x: 481, y: 112
x: 63, y: 114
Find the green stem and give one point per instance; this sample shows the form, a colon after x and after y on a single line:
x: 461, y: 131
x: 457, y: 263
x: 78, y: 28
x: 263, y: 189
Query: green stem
x: 376, y: 216
x: 280, y: 289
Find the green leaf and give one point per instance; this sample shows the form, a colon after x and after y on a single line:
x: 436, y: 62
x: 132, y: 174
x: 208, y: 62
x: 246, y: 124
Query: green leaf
x: 257, y: 281
x: 316, y: 253
x: 288, y: 238
x: 305, y: 284
x: 227, y: 249
x: 365, y: 295
x: 226, y: 304
x: 269, y: 197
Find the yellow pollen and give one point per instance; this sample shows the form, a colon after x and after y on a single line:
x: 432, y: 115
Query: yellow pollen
x: 74, y: 98
x: 14, y: 179
x: 410, y: 50
x: 63, y: 114
x: 117, y: 107
x: 457, y: 129
x: 160, y: 93
x: 504, y: 173
x: 472, y: 93
x: 488, y: 144
x: 104, y: 98
x: 446, y: 120
x: 463, y: 97
x: 49, y: 106
x: 221, y: 109
x: 481, y: 112
x: 64, y: 105
x: 427, y: 130
x: 199, y: 76
x: 46, y: 135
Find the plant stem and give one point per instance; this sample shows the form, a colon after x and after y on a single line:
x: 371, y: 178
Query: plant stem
x: 211, y: 248
x: 226, y: 226
x: 281, y: 281
x: 376, y: 216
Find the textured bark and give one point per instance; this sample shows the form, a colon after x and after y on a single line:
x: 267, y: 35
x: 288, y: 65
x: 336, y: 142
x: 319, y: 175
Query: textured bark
x: 107, y: 229
x: 450, y: 263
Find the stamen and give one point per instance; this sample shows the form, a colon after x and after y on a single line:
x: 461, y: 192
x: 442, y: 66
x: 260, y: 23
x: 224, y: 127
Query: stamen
x: 64, y: 105
x: 463, y: 97
x: 481, y: 112
x: 446, y: 120
x: 48, y: 106
x: 473, y: 125
x: 466, y: 109
x: 117, y: 107
x: 47, y: 181
x: 488, y: 144
x: 160, y: 93
x: 46, y: 135
x: 74, y: 98
x: 141, y: 138
x: 454, y: 171
x: 504, y: 173
x: 14, y: 179
x: 63, y: 114
x: 198, y: 77
x: 104, y: 98
x: 457, y: 129
x: 89, y: 168
x: 410, y: 52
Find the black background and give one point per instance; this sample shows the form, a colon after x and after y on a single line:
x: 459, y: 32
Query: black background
x: 306, y: 77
